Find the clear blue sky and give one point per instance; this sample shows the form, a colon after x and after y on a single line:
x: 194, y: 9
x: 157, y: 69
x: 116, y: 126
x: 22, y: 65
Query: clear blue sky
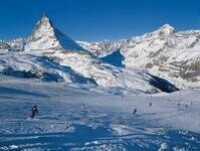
x: 94, y: 20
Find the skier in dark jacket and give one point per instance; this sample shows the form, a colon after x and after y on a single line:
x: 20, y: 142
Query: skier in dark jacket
x: 134, y: 111
x: 34, y: 110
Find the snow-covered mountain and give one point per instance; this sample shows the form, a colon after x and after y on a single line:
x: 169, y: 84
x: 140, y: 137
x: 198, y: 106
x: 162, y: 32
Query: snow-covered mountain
x: 4, y: 46
x: 165, y: 52
x: 17, y: 44
x: 50, y: 55
x: 102, y: 48
x: 46, y: 37
x: 114, y: 58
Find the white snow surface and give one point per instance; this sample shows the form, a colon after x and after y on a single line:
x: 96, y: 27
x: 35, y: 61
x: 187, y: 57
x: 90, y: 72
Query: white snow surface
x: 46, y: 37
x: 165, y: 52
x: 87, y: 104
x: 105, y: 122
x: 50, y: 55
x: 78, y: 68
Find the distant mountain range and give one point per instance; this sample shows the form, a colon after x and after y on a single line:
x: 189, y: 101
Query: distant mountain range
x: 140, y: 64
x: 167, y: 53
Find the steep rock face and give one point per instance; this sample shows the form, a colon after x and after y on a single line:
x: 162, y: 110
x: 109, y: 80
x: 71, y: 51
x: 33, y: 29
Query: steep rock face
x: 46, y: 37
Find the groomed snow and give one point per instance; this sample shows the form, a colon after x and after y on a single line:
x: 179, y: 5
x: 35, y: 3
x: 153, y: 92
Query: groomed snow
x: 105, y: 123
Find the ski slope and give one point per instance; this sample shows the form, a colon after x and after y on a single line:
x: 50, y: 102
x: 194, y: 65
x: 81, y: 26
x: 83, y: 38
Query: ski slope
x: 105, y: 123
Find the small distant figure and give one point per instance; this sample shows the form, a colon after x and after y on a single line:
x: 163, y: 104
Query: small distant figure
x: 150, y: 104
x: 34, y: 110
x: 179, y: 104
x: 191, y: 102
x: 82, y: 107
x: 186, y: 106
x: 134, y: 111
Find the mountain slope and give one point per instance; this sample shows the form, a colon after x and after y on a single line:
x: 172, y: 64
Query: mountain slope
x: 46, y: 37
x: 102, y: 48
x: 115, y: 58
x: 51, y: 56
x: 165, y: 52
x: 40, y: 67
x: 76, y: 68
x: 105, y: 122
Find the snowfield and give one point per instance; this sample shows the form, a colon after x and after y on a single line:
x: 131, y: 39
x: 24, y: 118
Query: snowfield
x: 106, y: 122
x: 165, y: 52
x: 102, y: 95
x: 49, y: 55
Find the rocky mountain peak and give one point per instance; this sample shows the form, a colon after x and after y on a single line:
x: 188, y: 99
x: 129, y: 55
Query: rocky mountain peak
x: 46, y: 37
x: 43, y: 26
x: 166, y: 29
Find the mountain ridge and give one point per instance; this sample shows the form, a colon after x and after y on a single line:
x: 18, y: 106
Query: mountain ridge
x: 165, y: 52
x: 84, y: 64
x: 46, y: 36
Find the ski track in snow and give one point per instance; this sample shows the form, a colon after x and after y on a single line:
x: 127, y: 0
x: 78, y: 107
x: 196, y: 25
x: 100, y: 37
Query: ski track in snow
x: 107, y: 122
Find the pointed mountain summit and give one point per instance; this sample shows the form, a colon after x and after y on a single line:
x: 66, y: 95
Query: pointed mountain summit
x: 46, y: 37
x: 166, y: 29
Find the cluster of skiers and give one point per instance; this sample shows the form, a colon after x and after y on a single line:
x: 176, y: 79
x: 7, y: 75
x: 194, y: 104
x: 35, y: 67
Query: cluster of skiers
x: 34, y: 109
x: 150, y: 104
x: 186, y: 105
x: 135, y: 109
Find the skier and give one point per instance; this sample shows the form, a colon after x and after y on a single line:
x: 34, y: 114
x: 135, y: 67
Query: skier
x: 150, y: 104
x: 134, y: 111
x: 34, y: 110
x: 82, y: 107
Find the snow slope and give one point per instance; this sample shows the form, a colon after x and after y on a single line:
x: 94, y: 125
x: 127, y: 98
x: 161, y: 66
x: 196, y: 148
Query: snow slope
x: 46, y: 37
x: 173, y: 55
x: 87, y: 104
x: 80, y: 68
x: 40, y: 67
x: 102, y: 48
x: 52, y: 56
x: 115, y: 58
x: 105, y: 123
x: 165, y: 53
